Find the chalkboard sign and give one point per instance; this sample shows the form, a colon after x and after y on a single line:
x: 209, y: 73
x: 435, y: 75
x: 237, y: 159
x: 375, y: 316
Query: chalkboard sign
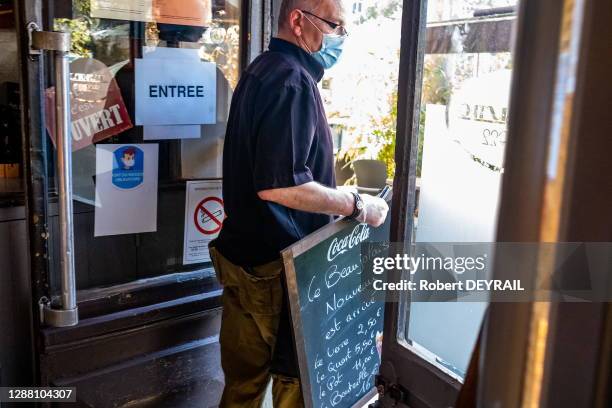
x: 336, y: 328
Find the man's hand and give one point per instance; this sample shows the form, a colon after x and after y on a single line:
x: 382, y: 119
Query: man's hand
x: 374, y: 210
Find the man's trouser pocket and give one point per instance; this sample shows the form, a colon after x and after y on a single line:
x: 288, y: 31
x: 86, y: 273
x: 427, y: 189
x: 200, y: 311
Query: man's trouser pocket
x: 259, y: 288
x: 252, y: 302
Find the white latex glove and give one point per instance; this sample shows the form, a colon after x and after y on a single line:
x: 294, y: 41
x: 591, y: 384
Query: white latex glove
x: 374, y: 210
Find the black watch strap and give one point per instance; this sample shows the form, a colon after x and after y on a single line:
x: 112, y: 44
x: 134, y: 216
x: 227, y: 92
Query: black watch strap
x: 357, y: 206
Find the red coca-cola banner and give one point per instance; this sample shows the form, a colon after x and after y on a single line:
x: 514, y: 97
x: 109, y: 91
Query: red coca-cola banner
x: 97, y: 108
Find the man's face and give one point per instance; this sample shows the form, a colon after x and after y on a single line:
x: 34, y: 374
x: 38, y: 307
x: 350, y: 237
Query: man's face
x: 313, y: 28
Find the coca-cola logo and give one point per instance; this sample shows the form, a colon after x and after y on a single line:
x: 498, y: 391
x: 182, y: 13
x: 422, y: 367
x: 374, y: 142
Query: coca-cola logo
x: 339, y: 246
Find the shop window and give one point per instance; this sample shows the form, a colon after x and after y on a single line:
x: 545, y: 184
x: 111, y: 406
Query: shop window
x: 120, y: 58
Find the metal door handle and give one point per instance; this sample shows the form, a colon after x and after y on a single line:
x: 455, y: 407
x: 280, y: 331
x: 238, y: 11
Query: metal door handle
x: 66, y: 314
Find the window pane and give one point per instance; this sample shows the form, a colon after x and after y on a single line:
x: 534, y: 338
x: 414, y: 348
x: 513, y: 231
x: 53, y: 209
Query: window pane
x: 114, y: 45
x: 360, y: 95
x: 462, y: 135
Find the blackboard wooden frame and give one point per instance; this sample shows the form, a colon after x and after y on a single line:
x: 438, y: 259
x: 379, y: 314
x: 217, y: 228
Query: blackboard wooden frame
x: 289, y: 254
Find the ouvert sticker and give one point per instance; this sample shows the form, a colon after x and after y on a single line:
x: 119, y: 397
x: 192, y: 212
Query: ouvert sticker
x: 97, y: 108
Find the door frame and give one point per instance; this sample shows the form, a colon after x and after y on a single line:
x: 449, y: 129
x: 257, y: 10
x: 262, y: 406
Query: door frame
x: 540, y: 367
x: 181, y: 294
x: 34, y: 142
x: 529, y: 124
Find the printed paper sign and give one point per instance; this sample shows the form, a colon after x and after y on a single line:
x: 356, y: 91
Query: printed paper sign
x: 163, y: 132
x: 171, y: 132
x: 175, y: 91
x: 97, y: 108
x: 182, y: 12
x: 126, y: 189
x: 204, y: 215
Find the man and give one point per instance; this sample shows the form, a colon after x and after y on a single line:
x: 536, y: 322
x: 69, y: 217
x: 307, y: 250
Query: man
x: 278, y: 186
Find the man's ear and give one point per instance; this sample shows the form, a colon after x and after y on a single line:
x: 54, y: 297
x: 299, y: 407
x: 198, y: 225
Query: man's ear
x: 295, y: 22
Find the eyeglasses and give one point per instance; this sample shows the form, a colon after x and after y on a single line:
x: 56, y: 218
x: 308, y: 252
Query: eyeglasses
x: 336, y: 28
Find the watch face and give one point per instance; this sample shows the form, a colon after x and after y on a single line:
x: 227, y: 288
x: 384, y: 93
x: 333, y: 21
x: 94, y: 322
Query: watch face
x: 359, y: 205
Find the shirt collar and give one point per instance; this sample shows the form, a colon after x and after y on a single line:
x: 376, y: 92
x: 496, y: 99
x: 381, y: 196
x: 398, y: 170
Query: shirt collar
x: 308, y: 62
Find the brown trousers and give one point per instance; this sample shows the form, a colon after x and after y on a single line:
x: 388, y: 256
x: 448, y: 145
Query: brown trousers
x: 252, y: 302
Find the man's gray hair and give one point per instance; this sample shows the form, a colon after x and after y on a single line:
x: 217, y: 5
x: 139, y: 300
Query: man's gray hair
x: 287, y: 6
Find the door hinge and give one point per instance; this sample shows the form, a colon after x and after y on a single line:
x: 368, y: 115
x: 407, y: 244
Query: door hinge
x: 389, y: 390
x: 51, y: 316
x: 40, y: 41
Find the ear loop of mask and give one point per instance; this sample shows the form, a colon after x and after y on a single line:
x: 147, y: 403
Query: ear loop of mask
x: 302, y: 41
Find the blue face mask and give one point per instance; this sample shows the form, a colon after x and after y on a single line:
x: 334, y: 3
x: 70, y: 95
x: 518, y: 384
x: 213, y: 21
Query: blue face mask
x: 331, y: 48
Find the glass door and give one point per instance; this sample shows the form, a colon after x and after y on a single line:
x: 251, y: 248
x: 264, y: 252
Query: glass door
x: 455, y: 81
x: 148, y: 85
x: 467, y: 72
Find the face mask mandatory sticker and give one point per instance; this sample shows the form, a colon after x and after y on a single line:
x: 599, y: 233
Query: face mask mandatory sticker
x: 128, y: 165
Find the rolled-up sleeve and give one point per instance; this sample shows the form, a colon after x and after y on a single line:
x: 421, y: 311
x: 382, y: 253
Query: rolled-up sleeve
x: 284, y: 139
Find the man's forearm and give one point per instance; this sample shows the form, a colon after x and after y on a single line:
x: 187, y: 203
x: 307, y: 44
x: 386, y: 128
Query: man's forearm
x: 312, y: 197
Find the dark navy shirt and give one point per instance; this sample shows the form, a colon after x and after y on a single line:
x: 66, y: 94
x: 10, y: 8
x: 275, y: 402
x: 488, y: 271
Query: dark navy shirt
x: 277, y: 136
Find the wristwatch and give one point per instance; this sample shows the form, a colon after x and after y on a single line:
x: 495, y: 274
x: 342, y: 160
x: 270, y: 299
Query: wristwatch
x: 357, y: 206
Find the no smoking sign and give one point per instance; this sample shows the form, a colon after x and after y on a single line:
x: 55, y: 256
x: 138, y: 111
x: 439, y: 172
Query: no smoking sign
x: 204, y: 216
x: 208, y: 215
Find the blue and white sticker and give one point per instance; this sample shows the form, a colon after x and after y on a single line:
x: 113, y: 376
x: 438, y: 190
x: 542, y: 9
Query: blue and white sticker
x: 128, y: 167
